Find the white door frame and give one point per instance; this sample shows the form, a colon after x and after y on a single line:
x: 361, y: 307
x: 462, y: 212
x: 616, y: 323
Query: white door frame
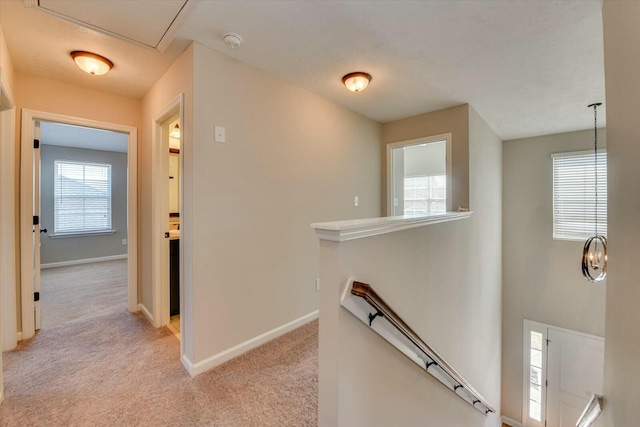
x: 160, y: 216
x: 29, y: 117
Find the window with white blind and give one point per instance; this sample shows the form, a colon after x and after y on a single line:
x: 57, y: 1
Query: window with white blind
x: 81, y: 197
x: 574, y: 216
x: 425, y: 194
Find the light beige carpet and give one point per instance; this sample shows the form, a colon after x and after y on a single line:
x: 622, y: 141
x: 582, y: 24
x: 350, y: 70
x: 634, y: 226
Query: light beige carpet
x: 116, y: 369
x: 69, y: 294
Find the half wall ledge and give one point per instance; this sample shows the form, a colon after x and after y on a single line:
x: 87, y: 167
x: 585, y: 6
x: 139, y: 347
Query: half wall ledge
x: 342, y: 231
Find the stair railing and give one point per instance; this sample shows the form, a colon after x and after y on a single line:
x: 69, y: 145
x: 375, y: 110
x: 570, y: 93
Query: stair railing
x: 422, y: 354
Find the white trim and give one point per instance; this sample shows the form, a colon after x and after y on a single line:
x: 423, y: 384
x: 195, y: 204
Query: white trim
x: 576, y: 153
x: 81, y: 234
x: 226, y: 355
x: 510, y: 422
x: 82, y: 261
x: 341, y: 231
x: 146, y: 312
x: 19, y: 336
x: 447, y: 137
x: 29, y: 117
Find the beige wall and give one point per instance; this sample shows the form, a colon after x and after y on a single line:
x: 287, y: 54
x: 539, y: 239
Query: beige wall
x: 291, y: 158
x: 453, y: 120
x: 542, y: 277
x: 177, y: 79
x: 622, y: 347
x: 7, y: 211
x: 51, y: 96
x: 444, y: 280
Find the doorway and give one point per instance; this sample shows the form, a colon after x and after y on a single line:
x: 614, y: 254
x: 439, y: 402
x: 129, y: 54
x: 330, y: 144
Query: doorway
x: 562, y: 370
x: 83, y: 223
x: 419, y: 176
x: 167, y: 221
x: 30, y: 209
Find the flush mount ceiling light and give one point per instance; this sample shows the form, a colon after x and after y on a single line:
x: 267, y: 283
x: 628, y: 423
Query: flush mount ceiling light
x: 175, y: 132
x: 356, y: 82
x: 91, y: 63
x: 232, y: 40
x: 594, y: 254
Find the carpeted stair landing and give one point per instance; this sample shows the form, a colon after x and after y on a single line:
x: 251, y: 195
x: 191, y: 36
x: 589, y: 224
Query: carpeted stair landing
x: 118, y: 370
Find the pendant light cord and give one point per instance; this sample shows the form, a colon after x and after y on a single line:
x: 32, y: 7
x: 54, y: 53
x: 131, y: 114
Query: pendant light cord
x: 595, y: 132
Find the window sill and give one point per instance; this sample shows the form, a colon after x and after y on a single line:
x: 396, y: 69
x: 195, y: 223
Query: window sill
x: 81, y: 234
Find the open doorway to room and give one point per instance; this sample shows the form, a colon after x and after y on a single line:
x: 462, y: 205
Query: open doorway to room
x: 78, y: 203
x: 167, y: 243
x: 83, y: 223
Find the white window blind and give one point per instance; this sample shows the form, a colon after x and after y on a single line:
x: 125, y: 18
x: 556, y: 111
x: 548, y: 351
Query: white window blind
x: 81, y: 197
x: 425, y: 194
x: 574, y: 195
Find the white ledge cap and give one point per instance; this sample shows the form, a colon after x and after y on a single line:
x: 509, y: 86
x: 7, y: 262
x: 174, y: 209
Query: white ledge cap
x: 341, y: 231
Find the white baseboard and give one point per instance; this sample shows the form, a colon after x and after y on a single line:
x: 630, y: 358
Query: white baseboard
x: 146, y: 313
x: 510, y: 422
x: 82, y: 261
x: 224, y: 356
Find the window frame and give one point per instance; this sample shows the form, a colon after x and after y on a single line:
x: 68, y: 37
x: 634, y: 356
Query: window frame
x: 602, y: 200
x: 529, y: 327
x: 447, y: 138
x: 82, y: 232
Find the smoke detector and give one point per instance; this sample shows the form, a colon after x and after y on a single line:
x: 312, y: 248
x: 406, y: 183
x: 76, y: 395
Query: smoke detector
x: 232, y: 40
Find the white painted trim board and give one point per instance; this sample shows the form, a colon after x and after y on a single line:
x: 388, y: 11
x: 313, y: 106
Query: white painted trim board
x: 226, y: 355
x: 82, y: 261
x: 146, y: 313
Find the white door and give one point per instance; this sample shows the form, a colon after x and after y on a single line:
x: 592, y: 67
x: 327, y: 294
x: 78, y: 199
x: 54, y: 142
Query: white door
x: 36, y: 227
x: 575, y: 367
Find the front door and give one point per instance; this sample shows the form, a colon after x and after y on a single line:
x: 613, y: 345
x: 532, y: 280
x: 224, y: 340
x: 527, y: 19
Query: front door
x: 575, y: 365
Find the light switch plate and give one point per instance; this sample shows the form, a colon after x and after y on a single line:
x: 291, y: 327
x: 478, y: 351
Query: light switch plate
x: 219, y: 134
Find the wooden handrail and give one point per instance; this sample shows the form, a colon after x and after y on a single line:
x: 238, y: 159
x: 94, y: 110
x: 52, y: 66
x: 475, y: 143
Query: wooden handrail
x: 458, y: 383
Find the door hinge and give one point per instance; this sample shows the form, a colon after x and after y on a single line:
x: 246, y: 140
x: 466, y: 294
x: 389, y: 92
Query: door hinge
x: 36, y: 143
x: 36, y: 296
x: 36, y: 220
x: 548, y: 341
x: 166, y: 235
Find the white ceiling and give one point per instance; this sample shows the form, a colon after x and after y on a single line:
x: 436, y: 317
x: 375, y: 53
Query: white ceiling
x: 82, y: 137
x: 528, y: 67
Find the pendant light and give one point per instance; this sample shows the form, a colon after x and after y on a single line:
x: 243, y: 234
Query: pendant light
x: 594, y: 254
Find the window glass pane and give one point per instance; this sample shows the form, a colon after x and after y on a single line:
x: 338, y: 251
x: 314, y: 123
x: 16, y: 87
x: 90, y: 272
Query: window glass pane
x: 82, y: 197
x: 535, y: 411
x: 574, y: 193
x: 535, y: 393
x: 536, y: 376
x: 536, y: 340
x: 536, y: 358
x: 425, y: 194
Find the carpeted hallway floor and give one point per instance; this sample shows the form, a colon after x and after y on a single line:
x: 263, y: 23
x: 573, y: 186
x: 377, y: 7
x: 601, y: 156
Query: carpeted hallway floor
x: 116, y: 369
